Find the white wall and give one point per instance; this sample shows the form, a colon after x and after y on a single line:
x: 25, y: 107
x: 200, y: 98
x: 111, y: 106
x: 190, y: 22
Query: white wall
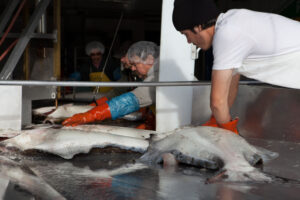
x: 10, y: 107
x: 173, y: 104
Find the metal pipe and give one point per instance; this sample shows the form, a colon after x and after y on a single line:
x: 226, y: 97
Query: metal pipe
x: 113, y: 84
x: 8, y: 49
x: 57, y: 43
x: 42, y: 25
x: 109, y: 52
x: 7, y: 13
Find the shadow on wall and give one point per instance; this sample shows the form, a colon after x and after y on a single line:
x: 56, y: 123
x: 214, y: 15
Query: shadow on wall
x: 272, y: 114
x: 201, y: 105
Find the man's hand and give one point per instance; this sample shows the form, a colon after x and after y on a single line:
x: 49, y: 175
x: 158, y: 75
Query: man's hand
x: 77, y: 119
x: 231, y: 126
x: 98, y: 113
x: 211, y: 122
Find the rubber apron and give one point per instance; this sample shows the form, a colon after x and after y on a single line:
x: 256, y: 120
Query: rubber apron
x: 100, y: 77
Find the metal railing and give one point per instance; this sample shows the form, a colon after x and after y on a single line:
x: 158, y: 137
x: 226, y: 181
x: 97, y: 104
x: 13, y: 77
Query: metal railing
x: 113, y: 84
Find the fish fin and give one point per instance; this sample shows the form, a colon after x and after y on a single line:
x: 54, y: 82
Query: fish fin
x: 217, y: 178
x: 68, y: 105
x: 53, y: 121
x: 266, y: 155
x: 240, y: 176
x: 49, y: 121
x: 50, y: 112
x: 254, y: 159
x: 57, y: 126
x: 47, y: 111
x: 151, y: 137
x: 284, y: 180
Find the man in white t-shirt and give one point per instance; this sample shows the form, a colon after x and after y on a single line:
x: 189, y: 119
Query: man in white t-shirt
x: 261, y: 46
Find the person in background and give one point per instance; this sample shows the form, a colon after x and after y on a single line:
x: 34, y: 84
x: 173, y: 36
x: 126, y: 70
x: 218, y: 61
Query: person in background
x: 121, y: 54
x: 261, y: 46
x: 99, y: 69
x: 143, y: 58
x: 127, y: 75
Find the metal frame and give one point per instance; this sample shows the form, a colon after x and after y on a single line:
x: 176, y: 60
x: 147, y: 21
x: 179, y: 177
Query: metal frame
x: 7, y: 13
x: 23, y: 41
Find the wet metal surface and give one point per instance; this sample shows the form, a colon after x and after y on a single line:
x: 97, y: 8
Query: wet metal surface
x: 264, y: 112
x: 98, y: 176
x: 269, y: 117
x: 288, y: 163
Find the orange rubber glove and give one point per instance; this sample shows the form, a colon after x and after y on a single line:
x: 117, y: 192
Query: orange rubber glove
x: 98, y: 113
x: 141, y: 126
x: 211, y: 122
x: 100, y: 101
x: 231, y: 126
x: 150, y: 122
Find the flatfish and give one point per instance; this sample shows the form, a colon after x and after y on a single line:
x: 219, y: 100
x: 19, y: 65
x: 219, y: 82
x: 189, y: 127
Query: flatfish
x: 69, y: 142
x: 23, y: 176
x: 211, y: 148
x: 53, y: 115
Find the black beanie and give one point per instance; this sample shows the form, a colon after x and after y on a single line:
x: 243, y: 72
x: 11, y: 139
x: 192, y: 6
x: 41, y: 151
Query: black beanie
x: 190, y: 13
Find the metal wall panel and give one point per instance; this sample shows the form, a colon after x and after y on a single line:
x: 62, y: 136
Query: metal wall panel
x: 173, y: 104
x: 264, y: 111
x: 30, y: 93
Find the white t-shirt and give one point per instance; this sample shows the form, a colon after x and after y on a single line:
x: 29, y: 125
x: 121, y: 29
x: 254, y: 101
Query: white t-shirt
x: 242, y: 35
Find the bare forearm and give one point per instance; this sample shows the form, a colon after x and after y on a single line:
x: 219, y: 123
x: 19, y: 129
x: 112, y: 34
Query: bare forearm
x: 223, y: 93
x: 220, y: 111
x: 221, y: 86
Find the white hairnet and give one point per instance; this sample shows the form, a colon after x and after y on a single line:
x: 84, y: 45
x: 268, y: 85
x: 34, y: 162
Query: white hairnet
x: 94, y: 45
x: 139, y: 52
